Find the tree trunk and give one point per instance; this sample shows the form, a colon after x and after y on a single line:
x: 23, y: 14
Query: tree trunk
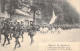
x: 34, y: 17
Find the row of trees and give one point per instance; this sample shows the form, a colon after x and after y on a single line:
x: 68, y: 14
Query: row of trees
x: 70, y: 15
x: 65, y: 13
x: 63, y: 10
x: 19, y: 4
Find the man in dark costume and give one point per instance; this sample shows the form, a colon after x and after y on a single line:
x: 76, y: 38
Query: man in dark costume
x: 0, y: 35
x: 11, y: 30
x: 17, y: 35
x: 22, y: 30
x: 17, y: 41
x: 31, y: 33
x: 6, y: 32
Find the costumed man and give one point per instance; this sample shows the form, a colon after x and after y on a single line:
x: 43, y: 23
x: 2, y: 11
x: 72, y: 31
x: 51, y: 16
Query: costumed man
x: 6, y: 32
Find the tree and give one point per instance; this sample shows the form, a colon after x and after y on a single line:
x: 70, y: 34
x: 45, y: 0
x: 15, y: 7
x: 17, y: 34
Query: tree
x: 12, y: 5
x: 70, y: 15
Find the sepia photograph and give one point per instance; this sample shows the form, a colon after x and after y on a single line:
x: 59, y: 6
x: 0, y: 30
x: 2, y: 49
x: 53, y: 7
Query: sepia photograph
x: 39, y: 25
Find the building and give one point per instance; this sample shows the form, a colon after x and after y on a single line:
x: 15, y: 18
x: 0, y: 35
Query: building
x: 21, y: 15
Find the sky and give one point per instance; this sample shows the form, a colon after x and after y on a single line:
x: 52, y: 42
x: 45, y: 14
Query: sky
x: 75, y: 4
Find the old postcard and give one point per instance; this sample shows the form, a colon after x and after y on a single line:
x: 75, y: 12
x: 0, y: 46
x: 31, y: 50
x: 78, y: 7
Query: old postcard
x: 39, y: 25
